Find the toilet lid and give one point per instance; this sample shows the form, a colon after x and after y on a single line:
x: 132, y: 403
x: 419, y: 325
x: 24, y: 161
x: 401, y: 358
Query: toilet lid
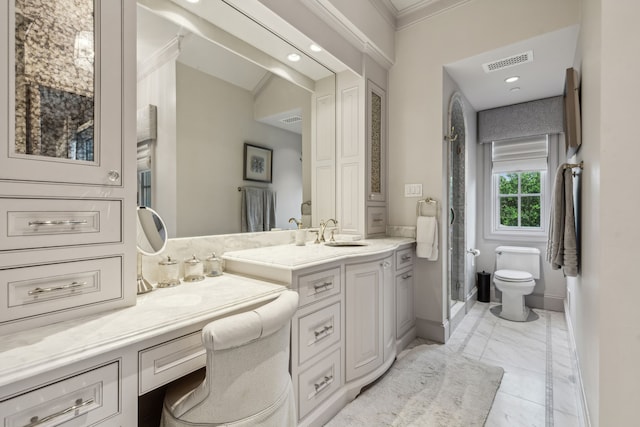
x: 513, y: 276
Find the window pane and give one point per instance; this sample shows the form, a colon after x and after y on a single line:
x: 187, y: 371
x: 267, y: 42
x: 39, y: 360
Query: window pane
x: 531, y: 211
x: 530, y: 182
x: 508, y: 183
x: 509, y: 211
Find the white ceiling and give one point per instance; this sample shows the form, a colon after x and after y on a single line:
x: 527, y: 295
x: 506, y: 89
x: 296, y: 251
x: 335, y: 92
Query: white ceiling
x: 553, y: 53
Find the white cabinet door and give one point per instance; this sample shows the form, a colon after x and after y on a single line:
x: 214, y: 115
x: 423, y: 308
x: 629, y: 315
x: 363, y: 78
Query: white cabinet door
x: 61, y: 91
x: 364, y: 317
x: 404, y: 297
x: 389, y: 314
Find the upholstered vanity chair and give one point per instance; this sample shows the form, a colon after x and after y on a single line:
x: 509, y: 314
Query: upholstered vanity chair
x: 247, y: 381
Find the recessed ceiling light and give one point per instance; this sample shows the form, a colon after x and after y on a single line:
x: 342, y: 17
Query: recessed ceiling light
x: 293, y: 57
x: 314, y: 47
x: 512, y: 79
x: 193, y: 1
x: 514, y: 89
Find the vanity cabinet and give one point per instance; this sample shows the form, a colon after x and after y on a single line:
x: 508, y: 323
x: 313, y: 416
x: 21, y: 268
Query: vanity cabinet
x: 317, y: 332
x: 370, y: 318
x: 67, y: 158
x: 404, y: 290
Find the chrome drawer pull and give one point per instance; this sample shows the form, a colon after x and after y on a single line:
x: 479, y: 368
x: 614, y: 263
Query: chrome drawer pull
x: 71, y: 285
x: 323, y: 384
x: 323, y: 332
x: 406, y: 257
x: 58, y: 222
x: 322, y: 287
x: 36, y: 421
x: 406, y: 276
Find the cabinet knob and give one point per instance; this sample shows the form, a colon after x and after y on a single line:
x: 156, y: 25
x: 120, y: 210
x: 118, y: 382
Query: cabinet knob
x: 113, y: 175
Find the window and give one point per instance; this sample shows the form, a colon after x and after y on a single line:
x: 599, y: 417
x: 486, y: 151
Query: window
x: 519, y: 200
x: 518, y: 188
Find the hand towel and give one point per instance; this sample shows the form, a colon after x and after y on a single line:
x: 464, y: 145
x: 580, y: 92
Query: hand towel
x: 427, y: 238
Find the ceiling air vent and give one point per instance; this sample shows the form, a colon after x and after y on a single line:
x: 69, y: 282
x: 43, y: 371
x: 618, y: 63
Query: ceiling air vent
x: 291, y: 120
x: 511, y: 61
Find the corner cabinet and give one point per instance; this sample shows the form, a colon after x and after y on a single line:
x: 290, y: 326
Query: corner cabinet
x: 67, y: 160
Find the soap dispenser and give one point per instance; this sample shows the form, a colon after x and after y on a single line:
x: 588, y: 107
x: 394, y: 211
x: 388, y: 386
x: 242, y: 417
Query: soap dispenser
x: 301, y: 233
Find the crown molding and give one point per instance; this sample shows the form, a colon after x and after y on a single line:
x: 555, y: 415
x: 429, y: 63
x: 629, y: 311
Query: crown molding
x: 341, y: 24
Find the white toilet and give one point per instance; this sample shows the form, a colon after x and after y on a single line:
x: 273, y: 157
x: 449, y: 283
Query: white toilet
x: 516, y: 271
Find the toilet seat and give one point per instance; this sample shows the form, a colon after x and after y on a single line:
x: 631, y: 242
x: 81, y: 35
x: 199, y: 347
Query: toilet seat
x: 513, y: 276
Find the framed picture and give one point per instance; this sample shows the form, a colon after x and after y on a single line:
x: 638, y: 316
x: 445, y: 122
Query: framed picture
x: 257, y: 163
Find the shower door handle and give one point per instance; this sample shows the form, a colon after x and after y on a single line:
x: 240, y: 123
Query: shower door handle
x: 453, y: 216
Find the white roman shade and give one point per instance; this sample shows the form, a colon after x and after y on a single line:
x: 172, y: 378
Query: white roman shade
x: 522, y: 154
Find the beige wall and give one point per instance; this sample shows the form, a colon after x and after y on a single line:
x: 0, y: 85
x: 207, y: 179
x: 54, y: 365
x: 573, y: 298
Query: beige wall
x: 606, y: 321
x: 416, y: 104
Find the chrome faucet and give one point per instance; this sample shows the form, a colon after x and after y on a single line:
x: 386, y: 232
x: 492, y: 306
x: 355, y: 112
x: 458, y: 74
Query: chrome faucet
x: 323, y: 225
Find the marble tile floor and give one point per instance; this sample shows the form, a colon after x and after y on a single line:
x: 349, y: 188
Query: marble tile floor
x: 539, y: 386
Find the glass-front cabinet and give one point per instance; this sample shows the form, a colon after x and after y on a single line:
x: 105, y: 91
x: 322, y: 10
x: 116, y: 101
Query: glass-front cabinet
x: 62, y: 78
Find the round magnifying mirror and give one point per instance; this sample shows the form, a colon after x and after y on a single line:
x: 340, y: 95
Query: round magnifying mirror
x: 151, y: 237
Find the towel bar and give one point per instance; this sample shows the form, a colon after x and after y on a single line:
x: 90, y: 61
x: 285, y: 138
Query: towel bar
x: 427, y: 201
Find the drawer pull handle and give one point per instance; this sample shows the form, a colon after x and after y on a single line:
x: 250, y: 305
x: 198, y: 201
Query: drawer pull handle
x: 326, y: 381
x: 58, y: 222
x: 406, y: 257
x: 406, y: 276
x: 322, y: 287
x: 71, y: 285
x: 323, y: 332
x: 377, y: 220
x: 36, y: 421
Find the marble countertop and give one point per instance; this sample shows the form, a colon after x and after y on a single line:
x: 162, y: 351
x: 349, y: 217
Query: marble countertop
x: 27, y: 353
x: 292, y: 257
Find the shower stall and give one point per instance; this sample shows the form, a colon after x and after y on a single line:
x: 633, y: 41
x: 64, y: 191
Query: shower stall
x: 456, y: 154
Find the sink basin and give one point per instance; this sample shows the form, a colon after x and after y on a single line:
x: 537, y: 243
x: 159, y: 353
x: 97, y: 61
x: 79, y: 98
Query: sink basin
x: 346, y: 244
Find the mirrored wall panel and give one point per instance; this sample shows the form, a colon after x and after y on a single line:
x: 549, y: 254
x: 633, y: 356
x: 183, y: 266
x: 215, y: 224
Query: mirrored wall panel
x: 54, y: 78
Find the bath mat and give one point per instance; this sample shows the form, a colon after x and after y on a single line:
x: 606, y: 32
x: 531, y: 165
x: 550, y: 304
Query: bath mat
x: 428, y: 386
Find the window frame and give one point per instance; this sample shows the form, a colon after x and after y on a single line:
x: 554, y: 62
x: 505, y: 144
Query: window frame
x: 496, y: 196
x: 491, y: 206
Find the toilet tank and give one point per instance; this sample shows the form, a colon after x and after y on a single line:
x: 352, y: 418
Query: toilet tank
x: 518, y: 258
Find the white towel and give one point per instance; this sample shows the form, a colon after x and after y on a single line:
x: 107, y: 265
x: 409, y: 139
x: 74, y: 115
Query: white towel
x: 427, y: 238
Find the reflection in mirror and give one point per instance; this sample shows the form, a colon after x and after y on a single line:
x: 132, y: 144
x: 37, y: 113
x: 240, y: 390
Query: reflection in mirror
x: 211, y: 100
x: 54, y: 83
x: 151, y: 240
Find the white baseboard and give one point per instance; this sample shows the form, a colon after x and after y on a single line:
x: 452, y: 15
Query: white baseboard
x: 582, y: 398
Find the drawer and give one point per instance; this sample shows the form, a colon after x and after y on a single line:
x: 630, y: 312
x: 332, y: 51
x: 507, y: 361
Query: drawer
x: 319, y: 382
x: 317, y: 286
x: 84, y: 399
x: 318, y: 331
x: 404, y: 258
x: 170, y: 360
x: 376, y: 220
x: 45, y: 223
x: 50, y: 288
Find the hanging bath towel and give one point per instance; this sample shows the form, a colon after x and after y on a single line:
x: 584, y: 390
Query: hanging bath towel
x: 427, y: 238
x: 562, y: 251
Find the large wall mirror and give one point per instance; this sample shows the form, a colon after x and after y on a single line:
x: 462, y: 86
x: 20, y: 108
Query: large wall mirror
x: 220, y: 80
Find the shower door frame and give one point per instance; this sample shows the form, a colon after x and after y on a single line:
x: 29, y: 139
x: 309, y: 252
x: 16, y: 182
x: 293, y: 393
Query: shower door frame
x: 456, y: 97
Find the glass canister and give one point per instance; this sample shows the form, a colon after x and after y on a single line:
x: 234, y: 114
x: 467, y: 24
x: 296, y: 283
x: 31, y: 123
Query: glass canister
x: 168, y: 273
x: 213, y: 266
x: 193, y: 269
